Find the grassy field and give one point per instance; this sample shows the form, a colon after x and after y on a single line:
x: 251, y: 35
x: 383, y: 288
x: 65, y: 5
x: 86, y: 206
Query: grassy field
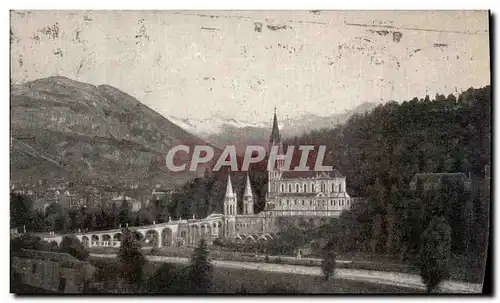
x: 227, y: 280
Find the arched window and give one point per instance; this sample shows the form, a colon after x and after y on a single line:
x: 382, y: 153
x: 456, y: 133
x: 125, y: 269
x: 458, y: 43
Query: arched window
x: 305, y: 188
x: 340, y: 190
x: 296, y: 188
x: 323, y: 186
x: 287, y: 202
x: 289, y: 188
x: 312, y: 188
x: 302, y: 202
x: 333, y: 187
x: 282, y: 188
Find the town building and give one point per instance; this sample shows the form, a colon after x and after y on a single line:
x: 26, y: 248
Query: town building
x: 133, y: 204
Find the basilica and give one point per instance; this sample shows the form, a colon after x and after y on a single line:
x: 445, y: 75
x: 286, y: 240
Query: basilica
x: 308, y: 194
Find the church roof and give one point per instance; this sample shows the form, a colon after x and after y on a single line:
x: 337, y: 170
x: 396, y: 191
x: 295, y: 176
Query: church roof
x: 311, y: 195
x: 248, y: 188
x: 312, y: 174
x: 297, y: 195
x: 229, y: 187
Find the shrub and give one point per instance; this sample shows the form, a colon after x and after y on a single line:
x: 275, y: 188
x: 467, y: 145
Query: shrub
x: 73, y: 246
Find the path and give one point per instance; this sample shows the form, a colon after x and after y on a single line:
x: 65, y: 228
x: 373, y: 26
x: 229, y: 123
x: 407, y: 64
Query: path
x: 372, y: 276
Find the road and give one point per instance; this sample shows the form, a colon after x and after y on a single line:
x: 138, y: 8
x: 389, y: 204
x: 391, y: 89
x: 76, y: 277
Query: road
x: 372, y: 276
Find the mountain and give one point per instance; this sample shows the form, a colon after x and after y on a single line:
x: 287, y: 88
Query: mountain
x: 221, y: 131
x: 309, y: 122
x: 63, y: 130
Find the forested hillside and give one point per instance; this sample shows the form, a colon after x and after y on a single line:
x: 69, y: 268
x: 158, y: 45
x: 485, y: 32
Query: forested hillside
x: 381, y: 151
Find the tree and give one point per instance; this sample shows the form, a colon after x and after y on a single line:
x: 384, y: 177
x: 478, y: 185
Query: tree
x: 328, y: 262
x: 124, y: 212
x: 163, y: 212
x: 62, y: 222
x: 131, y: 257
x: 200, y: 269
x: 376, y: 232
x: 143, y: 217
x: 76, y: 219
x: 21, y: 209
x: 152, y: 210
x: 73, y: 246
x: 434, y: 255
x: 92, y: 223
x: 114, y: 215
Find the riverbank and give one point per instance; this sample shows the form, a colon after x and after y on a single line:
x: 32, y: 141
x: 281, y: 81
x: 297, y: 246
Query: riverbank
x: 406, y: 283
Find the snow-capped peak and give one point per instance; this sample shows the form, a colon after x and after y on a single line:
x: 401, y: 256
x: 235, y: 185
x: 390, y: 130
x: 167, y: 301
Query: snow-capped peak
x: 212, y: 125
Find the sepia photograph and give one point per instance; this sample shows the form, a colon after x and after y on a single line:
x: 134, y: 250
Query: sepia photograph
x: 250, y: 152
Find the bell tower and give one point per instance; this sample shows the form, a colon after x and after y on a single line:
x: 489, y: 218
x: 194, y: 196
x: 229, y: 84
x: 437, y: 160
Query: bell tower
x: 276, y: 170
x: 230, y: 210
x: 229, y: 199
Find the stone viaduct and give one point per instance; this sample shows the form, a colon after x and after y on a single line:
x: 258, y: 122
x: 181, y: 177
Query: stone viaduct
x: 172, y: 233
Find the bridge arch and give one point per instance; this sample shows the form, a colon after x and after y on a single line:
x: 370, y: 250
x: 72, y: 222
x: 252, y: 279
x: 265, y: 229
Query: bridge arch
x: 117, y: 238
x: 196, y: 232
x: 106, y: 240
x: 206, y: 231
x: 85, y: 241
x: 152, y: 238
x: 220, y: 228
x: 95, y: 240
x: 167, y: 237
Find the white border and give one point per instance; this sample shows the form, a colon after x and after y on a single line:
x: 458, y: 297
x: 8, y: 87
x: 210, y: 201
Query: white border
x: 190, y: 4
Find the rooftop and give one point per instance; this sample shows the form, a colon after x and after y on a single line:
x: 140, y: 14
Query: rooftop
x: 335, y: 173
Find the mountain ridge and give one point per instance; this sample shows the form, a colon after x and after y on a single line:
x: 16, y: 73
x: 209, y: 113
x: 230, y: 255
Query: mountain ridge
x: 65, y: 130
x: 222, y: 131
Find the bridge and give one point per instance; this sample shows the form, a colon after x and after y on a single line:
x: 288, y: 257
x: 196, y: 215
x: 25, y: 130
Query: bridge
x: 171, y: 233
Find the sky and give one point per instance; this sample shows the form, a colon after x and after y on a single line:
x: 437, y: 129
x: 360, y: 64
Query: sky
x: 241, y: 64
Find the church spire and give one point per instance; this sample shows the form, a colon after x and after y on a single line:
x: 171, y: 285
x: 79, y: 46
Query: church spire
x: 248, y: 188
x: 275, y: 132
x: 229, y: 188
